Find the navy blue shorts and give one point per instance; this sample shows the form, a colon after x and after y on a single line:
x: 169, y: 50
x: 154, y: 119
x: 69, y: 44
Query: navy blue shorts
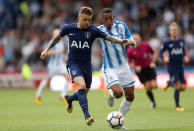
x: 85, y: 71
x: 176, y: 74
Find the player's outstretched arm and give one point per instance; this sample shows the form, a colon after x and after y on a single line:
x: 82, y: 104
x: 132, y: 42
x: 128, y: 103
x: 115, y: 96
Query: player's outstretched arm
x: 53, y: 42
x: 120, y: 41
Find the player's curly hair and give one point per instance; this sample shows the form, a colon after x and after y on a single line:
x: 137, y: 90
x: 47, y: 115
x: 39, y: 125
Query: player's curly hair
x: 86, y: 10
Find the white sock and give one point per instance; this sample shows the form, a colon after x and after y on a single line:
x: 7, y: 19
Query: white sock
x: 111, y: 92
x: 125, y: 106
x: 64, y: 92
x: 40, y: 88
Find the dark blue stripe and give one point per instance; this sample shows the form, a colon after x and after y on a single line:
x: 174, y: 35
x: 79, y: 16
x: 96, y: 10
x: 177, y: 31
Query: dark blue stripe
x: 128, y: 84
x: 107, y: 54
x: 105, y: 76
x: 111, y: 82
x: 116, y: 50
x: 122, y: 46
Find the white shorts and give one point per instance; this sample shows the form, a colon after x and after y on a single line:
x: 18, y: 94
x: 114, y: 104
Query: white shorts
x: 121, y: 75
x: 56, y: 71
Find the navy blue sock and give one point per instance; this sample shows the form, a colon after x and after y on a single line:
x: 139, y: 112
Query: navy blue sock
x: 73, y: 97
x: 83, y: 101
x: 176, y: 97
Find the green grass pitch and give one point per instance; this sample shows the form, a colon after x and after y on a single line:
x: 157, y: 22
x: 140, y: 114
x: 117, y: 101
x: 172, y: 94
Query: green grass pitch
x: 19, y: 112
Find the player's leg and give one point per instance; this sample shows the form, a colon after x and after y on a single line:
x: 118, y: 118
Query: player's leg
x: 149, y: 93
x: 127, y: 101
x: 168, y: 85
x: 74, y: 96
x: 183, y: 87
x: 180, y: 86
x: 143, y: 79
x: 82, y: 98
x: 127, y: 82
x: 174, y: 77
x: 117, y: 90
x: 182, y: 79
x: 73, y: 71
x: 64, y: 91
x: 113, y: 86
x: 153, y: 85
x: 44, y: 83
x: 177, y: 86
x: 149, y: 82
x: 77, y: 74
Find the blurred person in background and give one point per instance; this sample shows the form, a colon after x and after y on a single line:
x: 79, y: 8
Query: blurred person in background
x: 56, y: 66
x: 175, y: 61
x: 139, y: 59
x: 115, y: 68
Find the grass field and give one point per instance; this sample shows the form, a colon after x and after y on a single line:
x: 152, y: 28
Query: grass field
x: 18, y: 112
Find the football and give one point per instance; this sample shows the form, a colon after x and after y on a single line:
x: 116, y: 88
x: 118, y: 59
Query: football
x: 115, y: 119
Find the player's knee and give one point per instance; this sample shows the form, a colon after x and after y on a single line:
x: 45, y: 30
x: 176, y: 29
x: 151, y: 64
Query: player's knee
x: 183, y: 88
x: 118, y: 94
x: 81, y: 85
x: 130, y: 97
x: 148, y: 89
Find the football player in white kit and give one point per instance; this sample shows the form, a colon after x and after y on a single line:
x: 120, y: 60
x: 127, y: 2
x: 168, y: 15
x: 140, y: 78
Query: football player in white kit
x: 115, y: 67
x: 56, y: 66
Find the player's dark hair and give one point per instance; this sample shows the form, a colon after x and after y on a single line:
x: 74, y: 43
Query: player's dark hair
x: 86, y: 10
x: 106, y: 10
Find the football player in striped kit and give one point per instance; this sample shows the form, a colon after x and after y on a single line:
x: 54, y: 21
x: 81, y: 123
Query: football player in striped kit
x: 56, y: 66
x: 115, y: 66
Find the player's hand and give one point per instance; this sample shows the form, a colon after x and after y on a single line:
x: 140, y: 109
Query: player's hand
x: 128, y: 42
x: 125, y: 41
x: 65, y: 58
x: 186, y: 59
x: 138, y: 69
x: 152, y: 65
x: 44, y: 54
x: 166, y: 59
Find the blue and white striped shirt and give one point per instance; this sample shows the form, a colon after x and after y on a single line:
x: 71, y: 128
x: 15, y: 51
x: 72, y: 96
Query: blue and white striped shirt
x: 57, y: 60
x: 114, y: 55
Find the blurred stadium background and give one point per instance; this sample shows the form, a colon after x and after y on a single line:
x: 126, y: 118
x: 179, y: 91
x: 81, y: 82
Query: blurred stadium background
x: 25, y: 29
x: 26, y: 25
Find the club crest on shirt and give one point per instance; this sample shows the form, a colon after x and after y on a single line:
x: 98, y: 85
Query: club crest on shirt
x: 182, y: 44
x: 171, y: 45
x: 87, y: 34
x: 74, y: 72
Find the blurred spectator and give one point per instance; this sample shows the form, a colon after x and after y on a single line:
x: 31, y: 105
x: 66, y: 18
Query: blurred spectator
x: 25, y: 25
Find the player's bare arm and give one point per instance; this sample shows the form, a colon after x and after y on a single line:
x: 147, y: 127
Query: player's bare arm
x: 53, y: 42
x: 120, y: 41
x: 50, y: 52
x: 114, y: 39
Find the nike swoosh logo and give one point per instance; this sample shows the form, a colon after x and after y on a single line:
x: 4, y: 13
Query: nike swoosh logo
x: 71, y: 34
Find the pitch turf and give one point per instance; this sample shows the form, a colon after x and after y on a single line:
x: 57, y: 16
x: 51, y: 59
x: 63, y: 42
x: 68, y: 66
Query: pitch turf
x: 19, y: 112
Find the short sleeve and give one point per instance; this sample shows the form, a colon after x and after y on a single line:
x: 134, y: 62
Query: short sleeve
x: 64, y: 30
x: 150, y: 48
x: 99, y: 33
x: 127, y: 32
